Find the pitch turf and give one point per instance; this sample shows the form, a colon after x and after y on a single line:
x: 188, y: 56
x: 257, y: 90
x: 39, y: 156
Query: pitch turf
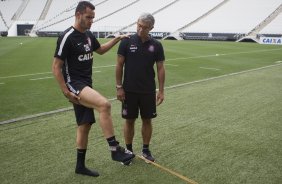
x: 221, y: 130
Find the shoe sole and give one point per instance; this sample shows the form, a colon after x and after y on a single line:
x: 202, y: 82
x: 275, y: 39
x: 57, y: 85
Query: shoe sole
x: 146, y: 160
x: 126, y: 163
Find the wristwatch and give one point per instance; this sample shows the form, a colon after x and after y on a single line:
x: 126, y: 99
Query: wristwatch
x: 118, y: 86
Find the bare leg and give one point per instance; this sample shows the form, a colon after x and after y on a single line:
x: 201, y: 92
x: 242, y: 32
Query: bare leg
x: 92, y: 99
x: 82, y: 133
x: 128, y: 131
x: 147, y: 130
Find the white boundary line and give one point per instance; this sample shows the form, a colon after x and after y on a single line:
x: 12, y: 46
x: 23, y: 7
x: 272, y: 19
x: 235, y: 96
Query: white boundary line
x: 166, y: 64
x: 35, y: 115
x: 105, y: 66
x: 41, y: 78
x: 206, y: 68
x: 194, y: 57
x: 32, y: 74
x: 112, y: 99
x: 216, y: 55
x: 222, y: 76
x: 25, y: 75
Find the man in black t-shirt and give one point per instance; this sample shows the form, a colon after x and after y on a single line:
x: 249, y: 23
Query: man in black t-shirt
x: 137, y: 55
x: 72, y: 68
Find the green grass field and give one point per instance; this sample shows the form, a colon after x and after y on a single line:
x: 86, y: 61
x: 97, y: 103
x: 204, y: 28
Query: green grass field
x: 220, y: 122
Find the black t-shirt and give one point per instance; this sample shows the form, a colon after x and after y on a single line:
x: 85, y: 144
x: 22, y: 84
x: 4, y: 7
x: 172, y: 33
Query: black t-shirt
x: 76, y: 50
x: 139, y: 73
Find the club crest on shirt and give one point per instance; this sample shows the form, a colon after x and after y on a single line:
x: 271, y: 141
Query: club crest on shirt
x: 133, y: 48
x: 87, y: 47
x: 151, y: 48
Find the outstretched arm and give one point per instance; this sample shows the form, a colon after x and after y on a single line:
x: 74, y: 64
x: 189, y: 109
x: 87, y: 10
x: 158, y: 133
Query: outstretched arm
x: 108, y: 45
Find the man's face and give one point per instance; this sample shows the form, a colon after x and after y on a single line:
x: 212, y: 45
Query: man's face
x: 86, y: 18
x: 143, y: 28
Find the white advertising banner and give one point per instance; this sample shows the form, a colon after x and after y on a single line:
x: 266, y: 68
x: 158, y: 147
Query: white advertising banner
x: 271, y: 40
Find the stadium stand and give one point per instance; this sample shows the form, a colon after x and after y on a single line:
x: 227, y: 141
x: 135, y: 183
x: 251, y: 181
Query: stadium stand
x: 34, y: 6
x: 121, y: 20
x: 236, y: 17
x: 274, y: 27
x: 8, y: 8
x: 175, y: 19
x: 59, y: 16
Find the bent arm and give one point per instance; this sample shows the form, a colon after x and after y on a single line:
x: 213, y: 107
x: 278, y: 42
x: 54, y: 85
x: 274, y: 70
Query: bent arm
x: 57, y: 72
x: 108, y: 45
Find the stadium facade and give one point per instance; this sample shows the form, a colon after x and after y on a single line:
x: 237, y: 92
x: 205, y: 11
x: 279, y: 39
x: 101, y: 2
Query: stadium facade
x: 231, y: 20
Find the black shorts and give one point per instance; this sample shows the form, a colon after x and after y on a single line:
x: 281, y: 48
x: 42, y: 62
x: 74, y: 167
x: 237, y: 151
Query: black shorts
x: 134, y: 102
x: 83, y: 114
x: 76, y: 86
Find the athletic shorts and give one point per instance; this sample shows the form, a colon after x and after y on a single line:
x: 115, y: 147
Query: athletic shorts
x: 83, y: 114
x: 135, y: 103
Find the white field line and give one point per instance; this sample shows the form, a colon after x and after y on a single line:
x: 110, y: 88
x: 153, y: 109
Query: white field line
x: 25, y: 75
x: 194, y: 57
x: 2, y: 83
x: 106, y: 66
x: 41, y: 78
x: 35, y: 115
x: 32, y: 74
x: 222, y: 76
x: 166, y: 64
x: 206, y: 68
x: 278, y: 62
x: 168, y: 87
x: 216, y: 55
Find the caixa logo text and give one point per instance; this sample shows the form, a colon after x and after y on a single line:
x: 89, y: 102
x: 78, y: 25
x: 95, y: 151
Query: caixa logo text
x: 271, y: 40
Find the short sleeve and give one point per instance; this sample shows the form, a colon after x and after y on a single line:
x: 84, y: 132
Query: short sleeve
x: 96, y: 44
x: 122, y: 47
x: 160, y: 55
x: 62, y: 47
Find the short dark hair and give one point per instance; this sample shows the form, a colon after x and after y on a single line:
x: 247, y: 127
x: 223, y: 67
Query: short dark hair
x: 82, y: 5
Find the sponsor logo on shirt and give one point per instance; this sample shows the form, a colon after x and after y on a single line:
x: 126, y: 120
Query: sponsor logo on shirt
x: 133, y: 48
x: 85, y: 57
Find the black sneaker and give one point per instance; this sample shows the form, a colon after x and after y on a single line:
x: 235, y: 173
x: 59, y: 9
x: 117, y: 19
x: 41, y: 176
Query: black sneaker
x: 129, y: 162
x: 121, y: 154
x: 148, y: 156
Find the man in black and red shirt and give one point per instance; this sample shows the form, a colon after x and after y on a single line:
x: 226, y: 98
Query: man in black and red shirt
x: 72, y: 68
x: 137, y: 55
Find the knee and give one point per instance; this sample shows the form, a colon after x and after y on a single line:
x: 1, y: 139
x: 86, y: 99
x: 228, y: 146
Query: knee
x: 106, y: 106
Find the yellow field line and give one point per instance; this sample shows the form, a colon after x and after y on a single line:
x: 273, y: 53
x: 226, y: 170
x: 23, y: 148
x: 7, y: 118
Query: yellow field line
x: 168, y: 170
